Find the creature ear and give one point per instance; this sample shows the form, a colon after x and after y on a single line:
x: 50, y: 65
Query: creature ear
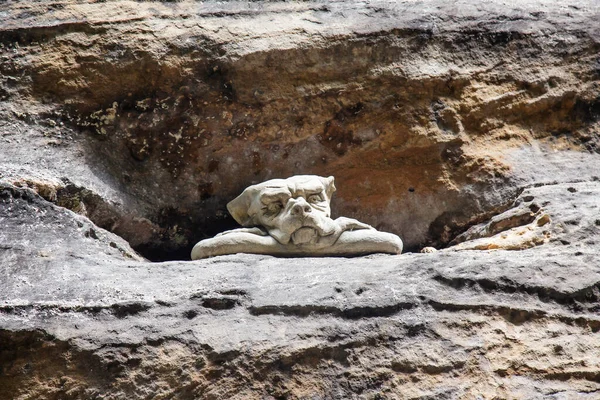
x: 329, y: 186
x: 238, y: 207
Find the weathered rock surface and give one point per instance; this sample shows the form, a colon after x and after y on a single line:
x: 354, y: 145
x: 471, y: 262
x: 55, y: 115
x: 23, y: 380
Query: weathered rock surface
x: 82, y: 320
x: 159, y: 113
x: 125, y: 128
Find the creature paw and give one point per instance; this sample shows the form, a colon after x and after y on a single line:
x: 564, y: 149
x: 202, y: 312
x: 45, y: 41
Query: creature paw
x: 255, y: 230
x: 350, y: 224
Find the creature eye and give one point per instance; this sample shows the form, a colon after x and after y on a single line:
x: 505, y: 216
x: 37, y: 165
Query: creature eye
x: 315, y: 198
x: 273, y: 208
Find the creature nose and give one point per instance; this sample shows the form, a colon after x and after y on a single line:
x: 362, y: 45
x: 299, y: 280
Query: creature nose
x: 301, y: 208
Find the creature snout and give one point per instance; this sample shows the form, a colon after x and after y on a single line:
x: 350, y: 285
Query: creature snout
x: 300, y: 207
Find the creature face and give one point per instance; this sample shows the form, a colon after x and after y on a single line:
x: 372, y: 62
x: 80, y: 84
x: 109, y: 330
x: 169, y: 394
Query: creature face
x: 294, y: 209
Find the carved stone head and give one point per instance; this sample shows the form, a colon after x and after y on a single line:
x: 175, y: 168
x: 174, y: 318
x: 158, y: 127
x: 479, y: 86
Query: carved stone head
x: 294, y: 209
x: 291, y: 217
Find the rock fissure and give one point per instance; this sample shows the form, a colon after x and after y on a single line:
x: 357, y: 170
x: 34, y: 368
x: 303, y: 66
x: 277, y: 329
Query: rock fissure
x: 341, y: 312
x: 575, y: 301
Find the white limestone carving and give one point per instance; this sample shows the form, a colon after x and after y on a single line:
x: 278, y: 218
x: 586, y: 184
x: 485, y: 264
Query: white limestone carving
x: 291, y: 217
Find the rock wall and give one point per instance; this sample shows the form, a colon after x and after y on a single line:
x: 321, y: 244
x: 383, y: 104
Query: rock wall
x: 175, y: 108
x: 126, y: 127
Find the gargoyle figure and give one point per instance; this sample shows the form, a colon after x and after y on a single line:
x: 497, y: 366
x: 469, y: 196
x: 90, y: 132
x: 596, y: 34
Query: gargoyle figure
x: 291, y: 217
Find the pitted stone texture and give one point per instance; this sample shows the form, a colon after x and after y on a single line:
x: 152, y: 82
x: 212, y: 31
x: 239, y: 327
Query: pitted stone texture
x: 446, y: 324
x: 166, y: 110
x: 147, y: 117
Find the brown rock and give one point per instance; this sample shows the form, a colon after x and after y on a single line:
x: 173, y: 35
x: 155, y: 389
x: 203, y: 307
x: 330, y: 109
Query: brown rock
x: 419, y: 107
x: 148, y: 117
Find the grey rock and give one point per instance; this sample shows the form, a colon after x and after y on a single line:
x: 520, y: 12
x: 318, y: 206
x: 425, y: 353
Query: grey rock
x: 458, y: 116
x: 445, y: 324
x: 399, y: 98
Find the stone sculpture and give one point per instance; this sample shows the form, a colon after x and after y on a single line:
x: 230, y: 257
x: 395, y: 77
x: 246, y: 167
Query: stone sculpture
x: 291, y: 217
